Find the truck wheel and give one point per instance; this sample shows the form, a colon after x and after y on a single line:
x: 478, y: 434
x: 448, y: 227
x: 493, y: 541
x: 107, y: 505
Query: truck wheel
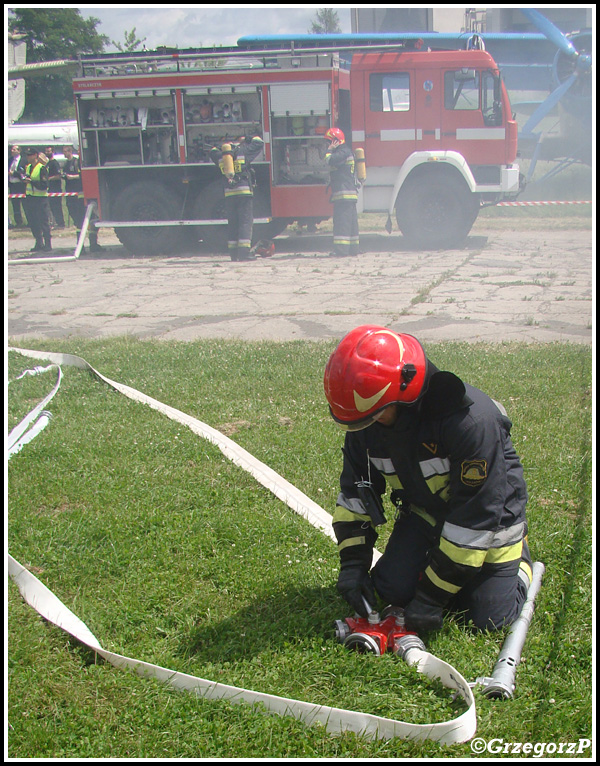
x: 436, y: 211
x: 144, y: 202
x: 210, y: 205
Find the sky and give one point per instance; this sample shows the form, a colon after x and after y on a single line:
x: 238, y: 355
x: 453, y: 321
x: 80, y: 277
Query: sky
x: 195, y: 26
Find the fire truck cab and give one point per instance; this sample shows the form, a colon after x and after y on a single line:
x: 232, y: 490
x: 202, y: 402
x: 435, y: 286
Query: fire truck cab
x: 439, y: 139
x: 436, y: 128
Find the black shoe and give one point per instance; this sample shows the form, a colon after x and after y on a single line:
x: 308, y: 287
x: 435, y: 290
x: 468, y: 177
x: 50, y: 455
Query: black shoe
x: 36, y: 248
x: 47, y: 248
x: 96, y: 248
x: 246, y: 257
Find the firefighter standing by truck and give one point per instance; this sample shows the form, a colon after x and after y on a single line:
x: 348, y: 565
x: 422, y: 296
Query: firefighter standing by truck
x: 37, y: 209
x: 444, y: 447
x: 55, y: 187
x: 344, y: 193
x: 234, y: 162
x: 76, y: 205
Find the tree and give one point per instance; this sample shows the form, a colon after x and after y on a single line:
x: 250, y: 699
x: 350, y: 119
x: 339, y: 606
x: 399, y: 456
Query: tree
x: 326, y: 21
x: 53, y: 34
x: 131, y: 42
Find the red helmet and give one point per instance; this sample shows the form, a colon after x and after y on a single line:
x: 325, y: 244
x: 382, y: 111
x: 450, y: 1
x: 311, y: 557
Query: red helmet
x: 371, y: 368
x: 335, y: 134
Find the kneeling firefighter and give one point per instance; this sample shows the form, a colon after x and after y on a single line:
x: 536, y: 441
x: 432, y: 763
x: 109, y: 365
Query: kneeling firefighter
x: 234, y: 162
x: 444, y: 449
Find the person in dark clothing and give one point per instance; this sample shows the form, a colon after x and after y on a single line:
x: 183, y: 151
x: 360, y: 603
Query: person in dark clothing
x: 344, y: 194
x: 36, y: 201
x: 443, y: 447
x: 234, y: 163
x: 76, y: 205
x: 55, y: 187
x: 16, y: 184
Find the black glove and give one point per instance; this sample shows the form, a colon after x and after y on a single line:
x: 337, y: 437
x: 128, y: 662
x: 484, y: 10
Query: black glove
x: 354, y: 583
x: 422, y: 615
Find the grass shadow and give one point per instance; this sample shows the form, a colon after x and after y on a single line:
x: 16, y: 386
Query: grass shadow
x: 272, y: 621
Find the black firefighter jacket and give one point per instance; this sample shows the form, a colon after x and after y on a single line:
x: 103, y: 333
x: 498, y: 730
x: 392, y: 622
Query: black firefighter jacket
x: 341, y: 167
x: 451, y: 460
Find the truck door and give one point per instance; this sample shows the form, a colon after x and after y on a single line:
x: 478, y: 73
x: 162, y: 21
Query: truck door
x: 472, y: 121
x: 389, y: 117
x: 428, y: 100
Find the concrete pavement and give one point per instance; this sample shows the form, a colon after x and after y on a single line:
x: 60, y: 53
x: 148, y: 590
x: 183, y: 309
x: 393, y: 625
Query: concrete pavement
x: 531, y: 286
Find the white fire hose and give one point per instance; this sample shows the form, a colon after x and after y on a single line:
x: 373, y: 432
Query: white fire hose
x: 336, y: 720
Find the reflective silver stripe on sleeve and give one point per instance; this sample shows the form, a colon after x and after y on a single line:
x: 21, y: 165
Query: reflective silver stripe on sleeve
x: 383, y: 464
x: 436, y: 466
x: 352, y: 504
x: 483, y: 539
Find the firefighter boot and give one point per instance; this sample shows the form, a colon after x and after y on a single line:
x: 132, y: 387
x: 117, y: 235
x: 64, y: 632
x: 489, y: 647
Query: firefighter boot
x: 525, y: 567
x: 94, y: 246
x: 47, y: 243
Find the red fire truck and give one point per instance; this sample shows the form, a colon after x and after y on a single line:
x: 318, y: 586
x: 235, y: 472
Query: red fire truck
x: 436, y: 126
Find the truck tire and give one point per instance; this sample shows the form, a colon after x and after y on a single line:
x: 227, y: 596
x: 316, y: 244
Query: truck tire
x: 436, y: 210
x: 144, y: 202
x: 210, y: 204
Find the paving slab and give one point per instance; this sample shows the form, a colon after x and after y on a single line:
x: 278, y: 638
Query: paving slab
x: 530, y: 286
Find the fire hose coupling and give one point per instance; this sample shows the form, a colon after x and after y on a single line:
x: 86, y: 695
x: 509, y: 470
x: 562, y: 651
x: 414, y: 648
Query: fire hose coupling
x: 404, y: 644
x: 376, y: 634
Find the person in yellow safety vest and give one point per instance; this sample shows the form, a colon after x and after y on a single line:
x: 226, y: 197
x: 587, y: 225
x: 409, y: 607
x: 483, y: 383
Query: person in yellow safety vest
x: 344, y: 193
x: 234, y: 162
x: 443, y: 447
x: 37, y: 209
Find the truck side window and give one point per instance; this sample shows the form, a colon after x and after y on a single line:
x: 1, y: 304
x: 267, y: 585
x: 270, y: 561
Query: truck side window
x: 491, y: 98
x: 389, y: 92
x: 461, y: 89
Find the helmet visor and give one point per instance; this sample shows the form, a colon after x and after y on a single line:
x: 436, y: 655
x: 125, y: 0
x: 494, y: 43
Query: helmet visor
x: 358, y: 425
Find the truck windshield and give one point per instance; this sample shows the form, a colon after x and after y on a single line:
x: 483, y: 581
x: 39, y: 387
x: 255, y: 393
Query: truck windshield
x: 461, y: 89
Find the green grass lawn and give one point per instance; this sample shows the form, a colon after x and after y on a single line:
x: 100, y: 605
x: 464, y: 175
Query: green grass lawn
x: 173, y: 555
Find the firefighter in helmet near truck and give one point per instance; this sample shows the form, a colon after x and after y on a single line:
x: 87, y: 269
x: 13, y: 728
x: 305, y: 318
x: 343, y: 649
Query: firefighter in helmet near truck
x: 234, y: 162
x: 444, y: 448
x: 344, y: 193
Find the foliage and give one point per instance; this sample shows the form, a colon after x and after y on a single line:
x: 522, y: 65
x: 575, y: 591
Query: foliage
x: 131, y: 42
x: 173, y: 555
x: 326, y: 21
x: 53, y: 34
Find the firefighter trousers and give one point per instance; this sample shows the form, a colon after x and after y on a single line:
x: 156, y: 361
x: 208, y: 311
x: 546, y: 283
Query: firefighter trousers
x: 491, y: 599
x: 240, y: 219
x: 345, y: 227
